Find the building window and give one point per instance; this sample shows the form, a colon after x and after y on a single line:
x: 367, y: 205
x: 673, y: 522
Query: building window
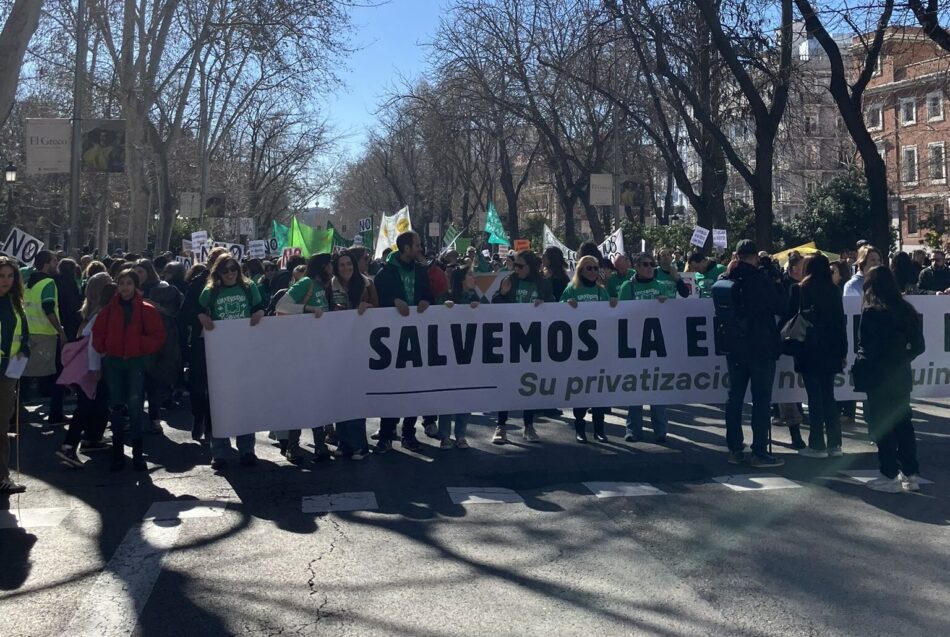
x: 811, y: 186
x: 938, y: 218
x: 908, y: 111
x: 938, y: 164
x: 882, y: 150
x: 878, y: 65
x: 909, y: 167
x: 935, y: 106
x: 874, y: 117
x: 913, y: 226
x: 811, y: 124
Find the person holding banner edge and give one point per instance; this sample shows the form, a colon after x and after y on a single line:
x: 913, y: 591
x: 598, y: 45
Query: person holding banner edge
x: 228, y: 295
x: 586, y: 287
x: 402, y: 282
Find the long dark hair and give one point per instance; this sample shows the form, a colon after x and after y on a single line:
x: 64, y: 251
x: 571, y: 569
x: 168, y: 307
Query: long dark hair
x: 316, y: 268
x: 904, y: 273
x: 356, y: 285
x: 557, y: 267
x: 817, y: 273
x: 457, y: 284
x: 881, y: 291
x: 534, y: 266
x: 16, y: 290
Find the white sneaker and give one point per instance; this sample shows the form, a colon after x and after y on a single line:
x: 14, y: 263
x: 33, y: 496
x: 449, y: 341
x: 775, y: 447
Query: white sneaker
x: 446, y: 444
x: 885, y: 484
x: 835, y: 452
x: 461, y: 443
x: 909, y: 483
x: 500, y: 437
x: 808, y: 452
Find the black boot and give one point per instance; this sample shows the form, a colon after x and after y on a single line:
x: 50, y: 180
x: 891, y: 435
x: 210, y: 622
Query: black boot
x: 795, y: 433
x: 599, y: 434
x: 118, y: 449
x: 138, y: 462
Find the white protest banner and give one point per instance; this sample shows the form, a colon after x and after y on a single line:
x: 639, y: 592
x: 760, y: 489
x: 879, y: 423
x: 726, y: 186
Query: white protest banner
x: 612, y: 245
x: 689, y: 278
x: 257, y: 248
x: 497, y: 357
x: 548, y: 239
x: 719, y: 238
x: 700, y: 234
x: 199, y: 237
x: 21, y: 246
x: 247, y: 226
x: 201, y: 252
x: 390, y: 227
x: 236, y: 249
x: 273, y: 245
x: 186, y: 261
x: 48, y: 145
x: 186, y: 247
x: 287, y: 253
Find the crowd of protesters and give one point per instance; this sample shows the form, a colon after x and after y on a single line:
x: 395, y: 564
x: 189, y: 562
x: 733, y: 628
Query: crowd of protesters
x: 126, y: 331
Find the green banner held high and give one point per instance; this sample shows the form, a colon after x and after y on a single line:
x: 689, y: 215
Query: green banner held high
x: 310, y: 240
x: 493, y: 227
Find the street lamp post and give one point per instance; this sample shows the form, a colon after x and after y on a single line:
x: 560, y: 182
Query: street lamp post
x: 9, y: 177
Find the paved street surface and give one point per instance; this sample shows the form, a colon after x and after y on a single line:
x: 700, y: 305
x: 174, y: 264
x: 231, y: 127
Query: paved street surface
x: 548, y: 539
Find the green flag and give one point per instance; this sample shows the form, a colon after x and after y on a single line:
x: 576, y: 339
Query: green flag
x: 279, y: 231
x: 494, y: 228
x: 310, y: 240
x: 451, y: 234
x: 339, y: 241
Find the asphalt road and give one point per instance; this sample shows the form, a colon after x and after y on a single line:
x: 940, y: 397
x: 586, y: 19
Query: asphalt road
x: 511, y: 540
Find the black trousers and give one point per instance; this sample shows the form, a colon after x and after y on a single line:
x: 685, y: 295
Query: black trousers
x: 597, y: 415
x: 91, y: 416
x: 889, y: 419
x: 387, y: 428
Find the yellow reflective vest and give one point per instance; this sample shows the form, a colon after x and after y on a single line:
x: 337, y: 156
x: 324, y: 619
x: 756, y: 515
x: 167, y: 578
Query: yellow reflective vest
x: 17, y: 336
x: 33, y: 308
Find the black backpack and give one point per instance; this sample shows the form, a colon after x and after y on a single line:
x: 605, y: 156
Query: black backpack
x: 731, y: 325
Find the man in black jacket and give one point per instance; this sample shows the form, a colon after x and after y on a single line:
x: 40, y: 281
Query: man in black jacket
x: 760, y: 301
x: 402, y: 282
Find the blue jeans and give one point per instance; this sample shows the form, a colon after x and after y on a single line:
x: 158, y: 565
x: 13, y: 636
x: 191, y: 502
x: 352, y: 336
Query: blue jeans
x: 658, y: 420
x: 220, y: 447
x: 352, y: 436
x: 761, y: 375
x: 126, y: 382
x: 445, y: 426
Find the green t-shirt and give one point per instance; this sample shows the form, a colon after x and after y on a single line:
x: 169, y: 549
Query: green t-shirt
x: 408, y: 276
x: 299, y: 291
x: 230, y: 302
x: 615, y: 281
x: 526, y: 292
x: 634, y: 290
x: 705, y: 281
x: 583, y: 293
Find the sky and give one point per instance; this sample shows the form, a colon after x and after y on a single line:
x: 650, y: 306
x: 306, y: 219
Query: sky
x: 390, y: 40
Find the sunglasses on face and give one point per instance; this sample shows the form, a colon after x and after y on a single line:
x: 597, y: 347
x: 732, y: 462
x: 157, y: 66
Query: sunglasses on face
x: 591, y: 268
x: 647, y: 264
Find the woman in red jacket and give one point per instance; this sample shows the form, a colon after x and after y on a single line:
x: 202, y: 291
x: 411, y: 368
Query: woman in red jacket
x: 126, y: 332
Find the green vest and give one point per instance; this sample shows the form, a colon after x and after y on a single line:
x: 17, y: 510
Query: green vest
x: 33, y: 308
x: 17, y: 337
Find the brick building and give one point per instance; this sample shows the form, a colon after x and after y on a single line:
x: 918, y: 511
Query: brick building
x: 907, y: 113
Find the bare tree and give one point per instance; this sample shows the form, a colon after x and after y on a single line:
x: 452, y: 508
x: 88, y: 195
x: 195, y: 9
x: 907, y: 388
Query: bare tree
x: 929, y: 18
x: 14, y: 39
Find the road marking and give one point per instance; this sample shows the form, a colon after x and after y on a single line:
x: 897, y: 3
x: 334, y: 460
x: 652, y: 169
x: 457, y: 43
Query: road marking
x: 863, y: 476
x: 117, y: 596
x: 756, y: 482
x: 32, y: 518
x: 186, y: 509
x: 356, y: 501
x: 483, y: 495
x: 622, y: 489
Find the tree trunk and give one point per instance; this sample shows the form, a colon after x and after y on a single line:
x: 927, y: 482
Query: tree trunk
x: 14, y: 39
x: 879, y: 234
x: 762, y: 193
x: 596, y: 225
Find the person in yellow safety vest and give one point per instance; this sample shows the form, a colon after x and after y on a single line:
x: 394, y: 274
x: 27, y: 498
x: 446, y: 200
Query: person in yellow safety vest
x: 41, y: 306
x: 14, y: 343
